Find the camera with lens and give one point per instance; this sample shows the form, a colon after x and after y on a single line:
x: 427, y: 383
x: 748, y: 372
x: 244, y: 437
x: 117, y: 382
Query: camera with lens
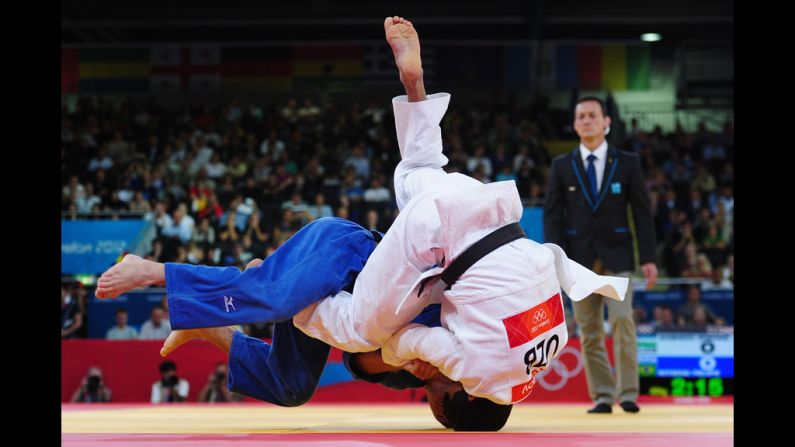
x: 170, y: 382
x: 93, y: 383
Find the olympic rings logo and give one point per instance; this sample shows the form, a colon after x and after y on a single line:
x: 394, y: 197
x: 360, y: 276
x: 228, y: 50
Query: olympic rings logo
x: 561, y: 369
x: 539, y: 315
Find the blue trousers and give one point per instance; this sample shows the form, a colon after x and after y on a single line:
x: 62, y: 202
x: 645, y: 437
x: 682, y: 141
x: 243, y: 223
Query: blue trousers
x: 287, y: 372
x: 319, y: 260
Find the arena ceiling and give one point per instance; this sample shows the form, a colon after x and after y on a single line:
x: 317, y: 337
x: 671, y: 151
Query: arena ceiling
x: 150, y: 21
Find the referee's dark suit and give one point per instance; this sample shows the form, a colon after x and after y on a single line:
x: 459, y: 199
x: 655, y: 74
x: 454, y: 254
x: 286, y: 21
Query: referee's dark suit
x: 594, y: 231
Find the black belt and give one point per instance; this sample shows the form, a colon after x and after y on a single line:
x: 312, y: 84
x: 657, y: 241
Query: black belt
x: 479, y: 249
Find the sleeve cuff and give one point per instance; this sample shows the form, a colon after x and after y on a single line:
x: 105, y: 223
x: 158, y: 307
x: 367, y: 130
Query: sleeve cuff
x: 232, y: 361
x: 405, y: 98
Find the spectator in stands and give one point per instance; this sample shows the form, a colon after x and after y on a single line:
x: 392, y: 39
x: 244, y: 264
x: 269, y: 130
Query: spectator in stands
x: 162, y: 219
x: 479, y: 159
x: 204, y: 234
x: 499, y: 159
x: 535, y: 198
x: 215, y: 390
x: 213, y: 210
x: 726, y: 197
x: 686, y: 314
x: 717, y: 281
x: 118, y: 149
x: 639, y: 315
x: 157, y: 251
x: 714, y: 244
x: 92, y: 388
x: 121, y: 331
x: 182, y: 254
x: 703, y: 182
x: 199, y: 195
x: 80, y: 295
x: 699, y: 321
x: 728, y: 270
x: 725, y: 222
x: 377, y: 195
x: 371, y: 221
x: 727, y: 175
x: 157, y: 327
x: 226, y: 191
x: 71, y: 315
x: 101, y: 161
x: 524, y: 177
x: 359, y: 162
x: 352, y: 186
x: 182, y: 226
x: 139, y: 203
x: 701, y: 269
x: 505, y: 174
x: 480, y: 174
x: 169, y: 388
x: 230, y: 234
x: 258, y: 238
x: 273, y: 146
x: 714, y: 154
x: 297, y: 205
x: 663, y: 318
x: 686, y: 247
x: 244, y: 209
x: 215, y: 168
x: 87, y: 202
x: 696, y: 205
x: 237, y: 167
x: 250, y: 190
x: 520, y: 158
x: 319, y: 208
x: 680, y: 176
x: 244, y: 250
x: 164, y: 305
x: 308, y: 110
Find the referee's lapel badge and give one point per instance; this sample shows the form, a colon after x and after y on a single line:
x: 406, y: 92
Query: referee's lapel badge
x: 616, y: 187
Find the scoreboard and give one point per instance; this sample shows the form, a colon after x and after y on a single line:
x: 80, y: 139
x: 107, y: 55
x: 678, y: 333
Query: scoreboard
x: 687, y: 363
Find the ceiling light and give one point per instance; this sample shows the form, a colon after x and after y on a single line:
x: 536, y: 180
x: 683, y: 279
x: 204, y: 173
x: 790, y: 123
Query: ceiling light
x: 650, y: 37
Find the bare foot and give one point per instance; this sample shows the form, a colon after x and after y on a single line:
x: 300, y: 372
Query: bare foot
x: 220, y: 336
x: 131, y: 273
x: 405, y: 43
x: 256, y: 262
x: 178, y: 338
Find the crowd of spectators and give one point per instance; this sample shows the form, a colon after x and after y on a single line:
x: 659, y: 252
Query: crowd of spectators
x: 228, y: 184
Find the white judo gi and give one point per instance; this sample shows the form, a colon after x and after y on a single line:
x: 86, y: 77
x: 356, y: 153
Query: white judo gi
x: 502, y: 321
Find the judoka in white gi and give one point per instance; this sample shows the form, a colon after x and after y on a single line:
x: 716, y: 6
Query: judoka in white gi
x: 502, y: 319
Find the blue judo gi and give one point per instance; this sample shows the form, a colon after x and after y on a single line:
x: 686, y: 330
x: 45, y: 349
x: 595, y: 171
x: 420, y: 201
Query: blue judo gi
x: 321, y: 259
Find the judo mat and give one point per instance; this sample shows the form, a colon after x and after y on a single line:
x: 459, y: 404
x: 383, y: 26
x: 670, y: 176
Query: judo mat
x: 410, y: 424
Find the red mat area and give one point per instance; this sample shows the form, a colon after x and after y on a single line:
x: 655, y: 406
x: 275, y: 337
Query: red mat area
x: 401, y: 439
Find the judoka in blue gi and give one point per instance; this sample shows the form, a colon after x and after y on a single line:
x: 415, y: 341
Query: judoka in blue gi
x: 320, y: 260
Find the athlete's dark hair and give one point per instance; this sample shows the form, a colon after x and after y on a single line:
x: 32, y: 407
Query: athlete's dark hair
x: 478, y: 414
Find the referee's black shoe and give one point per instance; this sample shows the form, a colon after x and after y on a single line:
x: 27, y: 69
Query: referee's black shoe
x: 601, y: 408
x: 629, y: 406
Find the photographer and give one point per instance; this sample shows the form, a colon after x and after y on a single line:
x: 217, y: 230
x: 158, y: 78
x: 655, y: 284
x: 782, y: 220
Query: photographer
x: 92, y: 389
x: 216, y: 388
x: 169, y: 388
